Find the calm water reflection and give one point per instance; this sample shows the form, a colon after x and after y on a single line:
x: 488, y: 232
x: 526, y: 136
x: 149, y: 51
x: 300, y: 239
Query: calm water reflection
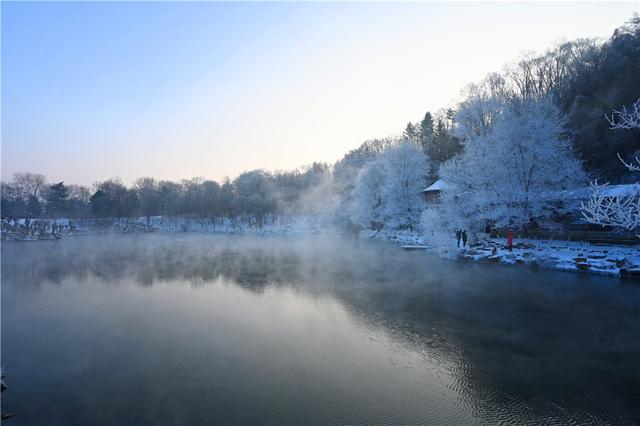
x: 203, y: 330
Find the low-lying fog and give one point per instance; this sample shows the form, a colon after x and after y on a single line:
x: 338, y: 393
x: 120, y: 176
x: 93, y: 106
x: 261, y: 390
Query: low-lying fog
x: 201, y: 329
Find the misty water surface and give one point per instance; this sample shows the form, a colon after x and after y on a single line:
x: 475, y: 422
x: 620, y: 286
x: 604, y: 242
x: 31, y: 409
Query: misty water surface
x: 204, y: 330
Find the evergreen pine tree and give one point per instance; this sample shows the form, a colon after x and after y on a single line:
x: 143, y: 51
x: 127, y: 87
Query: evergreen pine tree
x: 411, y: 133
x: 426, y: 131
x: 57, y: 199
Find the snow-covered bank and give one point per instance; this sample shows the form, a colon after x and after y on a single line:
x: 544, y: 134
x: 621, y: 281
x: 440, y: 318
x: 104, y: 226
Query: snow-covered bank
x: 550, y: 254
x: 410, y: 238
x: 560, y: 255
x: 47, y: 229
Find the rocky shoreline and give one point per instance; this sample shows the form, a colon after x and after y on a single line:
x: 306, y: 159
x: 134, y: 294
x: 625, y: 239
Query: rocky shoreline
x: 614, y: 260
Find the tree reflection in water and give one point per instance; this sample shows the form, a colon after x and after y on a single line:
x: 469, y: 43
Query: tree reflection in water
x: 520, y: 345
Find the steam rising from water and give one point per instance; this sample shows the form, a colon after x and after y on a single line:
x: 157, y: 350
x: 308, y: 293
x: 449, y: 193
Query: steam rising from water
x: 204, y: 329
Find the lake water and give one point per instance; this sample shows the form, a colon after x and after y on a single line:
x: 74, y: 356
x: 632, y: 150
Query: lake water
x: 208, y: 330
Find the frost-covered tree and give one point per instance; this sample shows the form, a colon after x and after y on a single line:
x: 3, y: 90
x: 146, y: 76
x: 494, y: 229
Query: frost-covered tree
x: 411, y: 133
x: 367, y: 205
x: 623, y: 119
x: 511, y: 168
x: 617, y: 209
x: 614, y: 209
x: 481, y: 108
x: 405, y: 171
x: 387, y: 190
x: 256, y: 198
x: 346, y: 170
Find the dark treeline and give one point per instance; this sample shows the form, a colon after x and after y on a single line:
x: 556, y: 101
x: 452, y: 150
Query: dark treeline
x: 585, y: 78
x: 253, y: 196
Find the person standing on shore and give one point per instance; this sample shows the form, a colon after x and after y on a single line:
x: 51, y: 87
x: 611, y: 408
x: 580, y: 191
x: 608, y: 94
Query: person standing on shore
x: 510, y: 241
x: 458, y: 236
x: 464, y: 238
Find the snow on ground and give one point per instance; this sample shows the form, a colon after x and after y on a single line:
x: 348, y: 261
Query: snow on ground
x: 561, y: 255
x: 403, y: 237
x: 552, y: 254
x: 44, y: 229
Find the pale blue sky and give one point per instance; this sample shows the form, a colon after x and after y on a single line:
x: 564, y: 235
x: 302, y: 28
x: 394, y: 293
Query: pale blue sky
x: 173, y: 90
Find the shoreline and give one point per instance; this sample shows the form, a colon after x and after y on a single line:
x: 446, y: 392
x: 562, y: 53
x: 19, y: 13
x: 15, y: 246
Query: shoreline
x: 570, y: 256
x: 612, y: 260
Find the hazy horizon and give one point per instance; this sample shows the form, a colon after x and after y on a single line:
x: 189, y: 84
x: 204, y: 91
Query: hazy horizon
x: 174, y: 90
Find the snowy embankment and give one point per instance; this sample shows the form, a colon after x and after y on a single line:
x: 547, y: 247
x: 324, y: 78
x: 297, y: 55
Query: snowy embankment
x: 560, y: 255
x: 404, y: 238
x: 47, y: 229
x: 551, y: 254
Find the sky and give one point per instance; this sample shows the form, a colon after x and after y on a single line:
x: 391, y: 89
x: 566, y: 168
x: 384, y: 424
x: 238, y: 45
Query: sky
x: 176, y: 90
